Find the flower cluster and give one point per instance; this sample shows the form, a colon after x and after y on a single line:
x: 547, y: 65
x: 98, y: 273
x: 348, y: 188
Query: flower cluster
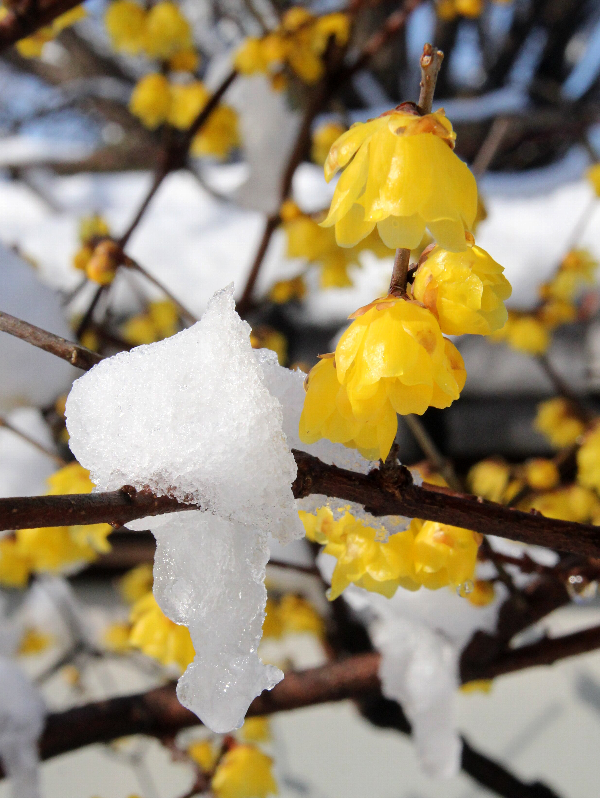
x: 51, y: 549
x: 160, y: 31
x: 530, y: 333
x: 306, y: 239
x: 156, y: 101
x: 33, y: 46
x: 427, y: 554
x: 97, y: 255
x: 298, y: 44
x: 558, y: 421
x: 392, y: 359
x: 157, y: 636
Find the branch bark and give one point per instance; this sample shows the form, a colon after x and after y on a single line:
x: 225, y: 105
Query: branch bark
x: 384, y: 491
x: 75, y: 354
x: 31, y: 16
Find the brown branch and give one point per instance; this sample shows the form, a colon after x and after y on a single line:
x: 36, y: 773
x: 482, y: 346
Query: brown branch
x: 175, y: 155
x: 30, y: 16
x: 387, y: 491
x: 158, y: 712
x: 431, y: 62
x: 400, y: 272
x: 36, y: 444
x: 75, y: 354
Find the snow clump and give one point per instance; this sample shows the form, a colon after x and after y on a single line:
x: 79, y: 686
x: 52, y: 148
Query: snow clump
x: 191, y: 417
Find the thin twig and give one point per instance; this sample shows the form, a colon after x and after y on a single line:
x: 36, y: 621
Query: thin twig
x: 437, y: 460
x: 183, y: 311
x: 399, y: 273
x: 491, y: 145
x: 431, y: 62
x: 564, y: 390
x: 73, y: 353
x: 52, y: 455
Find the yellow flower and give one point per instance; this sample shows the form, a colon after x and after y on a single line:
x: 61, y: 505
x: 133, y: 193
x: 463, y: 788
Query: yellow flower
x: 151, y: 100
x: 464, y: 290
x: 186, y: 103
x: 34, y: 641
x: 443, y: 554
x: 91, y: 227
x: 479, y: 685
x: 483, y: 593
x: 394, y: 352
x: 322, y: 140
x: 288, y: 290
x: 446, y: 10
x: 116, y: 637
x: 327, y: 413
x: 362, y: 558
x: 256, y: 730
x: 125, y: 22
x: 136, y: 583
x: 157, y: 636
x: 588, y: 460
x: 106, y: 258
x: 403, y: 176
x: 244, y: 772
x: 32, y: 46
x: 167, y: 31
x: 524, y: 334
x: 489, y: 479
x: 272, y: 624
x: 557, y: 421
x: 186, y: 60
x: 219, y: 135
x: 574, y: 503
x: 15, y: 566
x: 576, y: 269
x: 555, y: 312
x: 250, y: 58
x: 82, y: 257
x: 205, y: 754
x: 299, y: 616
x: 160, y: 321
x: 469, y: 8
x: 593, y: 175
x: 541, y: 474
x: 264, y: 337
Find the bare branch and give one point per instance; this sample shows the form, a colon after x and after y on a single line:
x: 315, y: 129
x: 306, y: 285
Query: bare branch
x: 431, y: 62
x: 31, y: 16
x: 75, y: 354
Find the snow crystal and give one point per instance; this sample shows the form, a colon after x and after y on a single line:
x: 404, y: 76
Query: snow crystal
x: 191, y: 417
x: 22, y: 715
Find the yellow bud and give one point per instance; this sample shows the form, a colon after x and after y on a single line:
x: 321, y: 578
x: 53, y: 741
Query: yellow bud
x: 187, y: 60
x: 288, y: 290
x: 482, y: 594
x: 446, y: 10
x: 256, y: 730
x: 125, y: 21
x: 205, y: 754
x: 557, y: 420
x: 541, y: 474
x: 105, y: 260
x: 244, y: 772
x: 186, y: 103
x: 151, y: 100
x: 167, y: 31
x: 82, y: 257
x: 469, y: 8
x: 593, y: 175
x: 489, y: 479
x: 478, y: 685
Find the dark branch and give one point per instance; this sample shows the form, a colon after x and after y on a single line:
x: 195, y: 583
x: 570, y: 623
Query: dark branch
x: 73, y: 353
x: 31, y: 16
x: 387, y: 491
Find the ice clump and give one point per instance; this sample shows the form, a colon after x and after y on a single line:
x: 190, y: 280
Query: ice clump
x: 421, y: 636
x: 191, y: 417
x: 22, y: 714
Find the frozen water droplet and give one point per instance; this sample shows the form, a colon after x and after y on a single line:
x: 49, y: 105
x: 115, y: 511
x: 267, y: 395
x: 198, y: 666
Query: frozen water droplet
x: 581, y: 590
x: 464, y: 589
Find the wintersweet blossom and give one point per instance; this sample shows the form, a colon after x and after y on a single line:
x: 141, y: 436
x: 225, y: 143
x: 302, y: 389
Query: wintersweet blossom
x: 444, y: 554
x: 327, y: 413
x: 256, y: 729
x: 558, y: 422
x: 322, y: 140
x: 136, y: 583
x: 166, y: 30
x: 394, y: 352
x: 588, y: 460
x: 572, y: 503
x: 157, y: 636
x: 464, y: 290
x: 524, y: 333
x: 151, y: 100
x: 299, y: 43
x: 205, y: 754
x: 159, y: 321
x: 125, y: 21
x: 482, y: 594
x: 541, y: 473
x: 489, y: 479
x: 363, y: 559
x: 292, y: 615
x: 576, y: 269
x: 401, y: 175
x: 244, y: 772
